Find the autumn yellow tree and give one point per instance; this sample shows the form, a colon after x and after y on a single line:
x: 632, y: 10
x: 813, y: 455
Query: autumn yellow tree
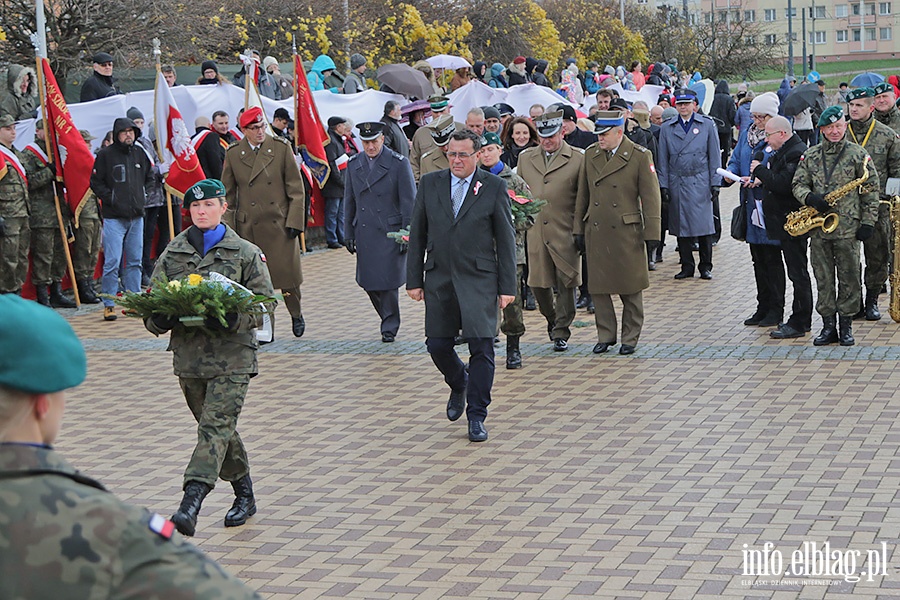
x: 503, y: 29
x: 591, y: 30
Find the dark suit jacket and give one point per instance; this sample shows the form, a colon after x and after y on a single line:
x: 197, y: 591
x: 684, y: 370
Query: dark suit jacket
x: 471, y: 260
x: 776, y: 177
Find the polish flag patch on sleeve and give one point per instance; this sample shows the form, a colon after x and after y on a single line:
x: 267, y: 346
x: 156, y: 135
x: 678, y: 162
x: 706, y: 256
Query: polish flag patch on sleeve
x: 652, y: 168
x: 262, y: 257
x: 161, y: 526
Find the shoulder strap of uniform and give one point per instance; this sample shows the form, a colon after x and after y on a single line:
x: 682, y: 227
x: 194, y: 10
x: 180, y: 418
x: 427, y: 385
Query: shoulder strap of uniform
x: 78, y: 477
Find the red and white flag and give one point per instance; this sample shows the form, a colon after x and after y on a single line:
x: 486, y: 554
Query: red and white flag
x: 173, y: 141
x: 342, y: 161
x: 72, y: 155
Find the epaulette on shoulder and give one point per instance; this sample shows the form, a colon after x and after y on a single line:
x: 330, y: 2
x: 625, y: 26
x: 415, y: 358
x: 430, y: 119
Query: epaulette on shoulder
x: 232, y: 145
x: 283, y: 140
x: 640, y: 148
x: 398, y: 156
x: 578, y: 150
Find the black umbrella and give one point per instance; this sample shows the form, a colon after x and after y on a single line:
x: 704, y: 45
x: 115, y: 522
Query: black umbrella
x: 405, y: 80
x: 801, y: 97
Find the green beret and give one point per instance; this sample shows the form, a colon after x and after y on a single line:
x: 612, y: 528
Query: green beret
x: 883, y: 88
x: 858, y: 93
x: 39, y: 352
x: 830, y: 115
x: 203, y: 190
x: 489, y: 138
x: 7, y: 120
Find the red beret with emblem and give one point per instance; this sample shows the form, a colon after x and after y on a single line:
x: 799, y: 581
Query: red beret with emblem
x: 251, y: 116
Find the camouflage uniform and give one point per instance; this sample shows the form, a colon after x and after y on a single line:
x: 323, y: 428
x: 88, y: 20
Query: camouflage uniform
x: 48, y: 259
x: 883, y: 146
x: 14, y: 245
x: 86, y: 249
x: 838, y: 250
x: 513, y: 323
x: 890, y: 118
x: 214, y: 370
x: 63, y: 535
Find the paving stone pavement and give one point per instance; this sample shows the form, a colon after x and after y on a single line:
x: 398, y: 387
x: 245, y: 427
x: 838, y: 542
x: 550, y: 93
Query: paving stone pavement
x: 604, y: 477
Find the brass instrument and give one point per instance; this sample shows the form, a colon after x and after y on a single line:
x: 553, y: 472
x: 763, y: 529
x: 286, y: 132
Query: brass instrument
x: 808, y: 218
x: 894, y: 310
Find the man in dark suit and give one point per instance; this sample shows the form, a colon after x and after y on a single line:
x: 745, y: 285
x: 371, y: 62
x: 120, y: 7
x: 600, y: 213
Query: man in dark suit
x: 379, y: 192
x: 463, y: 219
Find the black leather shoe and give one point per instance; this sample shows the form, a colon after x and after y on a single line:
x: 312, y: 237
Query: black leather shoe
x: 185, y: 519
x: 871, y: 306
x: 529, y: 299
x: 244, y: 505
x: 625, y: 349
x: 770, y: 321
x: 86, y: 292
x: 754, y: 319
x: 785, y: 332
x: 387, y: 337
x: 456, y: 405
x: 684, y: 275
x: 334, y: 245
x: 651, y: 265
x: 41, y: 295
x: 582, y: 301
x: 59, y: 300
x: 298, y: 326
x: 550, y: 331
x: 590, y: 308
x: 560, y: 345
x: 602, y: 347
x: 705, y: 275
x: 477, y: 432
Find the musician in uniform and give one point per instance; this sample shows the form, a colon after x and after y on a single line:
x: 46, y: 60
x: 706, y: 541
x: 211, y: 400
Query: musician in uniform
x: 883, y: 145
x: 838, y: 165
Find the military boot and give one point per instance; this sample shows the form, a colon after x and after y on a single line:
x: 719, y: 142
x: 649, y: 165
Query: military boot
x: 86, y: 292
x: 846, y: 331
x: 186, y: 518
x: 872, y: 312
x: 513, y: 356
x: 41, y: 295
x: 57, y: 298
x: 829, y: 334
x: 244, y: 505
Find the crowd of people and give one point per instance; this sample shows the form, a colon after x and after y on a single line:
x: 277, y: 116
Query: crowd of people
x: 432, y: 206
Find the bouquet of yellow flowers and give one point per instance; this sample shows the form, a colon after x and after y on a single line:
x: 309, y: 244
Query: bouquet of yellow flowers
x: 193, y: 300
x: 523, y: 206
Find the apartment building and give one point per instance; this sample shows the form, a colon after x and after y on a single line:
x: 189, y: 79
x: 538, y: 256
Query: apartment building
x: 835, y: 29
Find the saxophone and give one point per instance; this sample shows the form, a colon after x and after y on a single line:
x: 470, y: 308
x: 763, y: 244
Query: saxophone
x: 894, y: 310
x: 808, y: 218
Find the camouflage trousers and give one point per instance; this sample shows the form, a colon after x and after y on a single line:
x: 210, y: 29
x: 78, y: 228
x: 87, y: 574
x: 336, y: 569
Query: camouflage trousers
x: 48, y: 259
x: 216, y: 405
x: 841, y: 257
x: 86, y: 249
x: 14, y: 254
x: 877, y: 250
x: 513, y: 324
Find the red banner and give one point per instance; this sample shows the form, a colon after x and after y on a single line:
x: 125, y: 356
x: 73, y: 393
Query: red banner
x: 174, y: 141
x: 72, y: 155
x: 310, y: 135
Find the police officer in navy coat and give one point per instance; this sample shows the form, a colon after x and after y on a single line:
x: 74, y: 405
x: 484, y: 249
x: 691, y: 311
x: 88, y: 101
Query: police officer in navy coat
x: 379, y: 193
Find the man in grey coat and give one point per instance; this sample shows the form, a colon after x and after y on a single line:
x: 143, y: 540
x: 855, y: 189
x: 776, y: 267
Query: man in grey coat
x: 394, y: 137
x: 686, y: 166
x: 379, y: 192
x: 463, y: 220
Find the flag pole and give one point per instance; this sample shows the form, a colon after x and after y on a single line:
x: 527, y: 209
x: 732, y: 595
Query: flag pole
x: 40, y: 56
x: 160, y: 151
x: 297, y: 128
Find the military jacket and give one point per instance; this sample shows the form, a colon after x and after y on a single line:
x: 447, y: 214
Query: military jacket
x: 14, y: 191
x: 883, y: 146
x: 860, y: 206
x: 62, y: 535
x: 40, y: 190
x: 433, y: 160
x: 196, y: 352
x: 890, y: 118
x: 517, y: 185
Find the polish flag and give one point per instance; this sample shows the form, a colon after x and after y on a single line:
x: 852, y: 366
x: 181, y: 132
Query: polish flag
x: 173, y: 141
x: 342, y: 161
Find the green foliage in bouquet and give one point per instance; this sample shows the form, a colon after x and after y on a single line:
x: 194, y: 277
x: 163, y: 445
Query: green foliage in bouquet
x: 192, y: 299
x: 401, y: 237
x: 524, y: 206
